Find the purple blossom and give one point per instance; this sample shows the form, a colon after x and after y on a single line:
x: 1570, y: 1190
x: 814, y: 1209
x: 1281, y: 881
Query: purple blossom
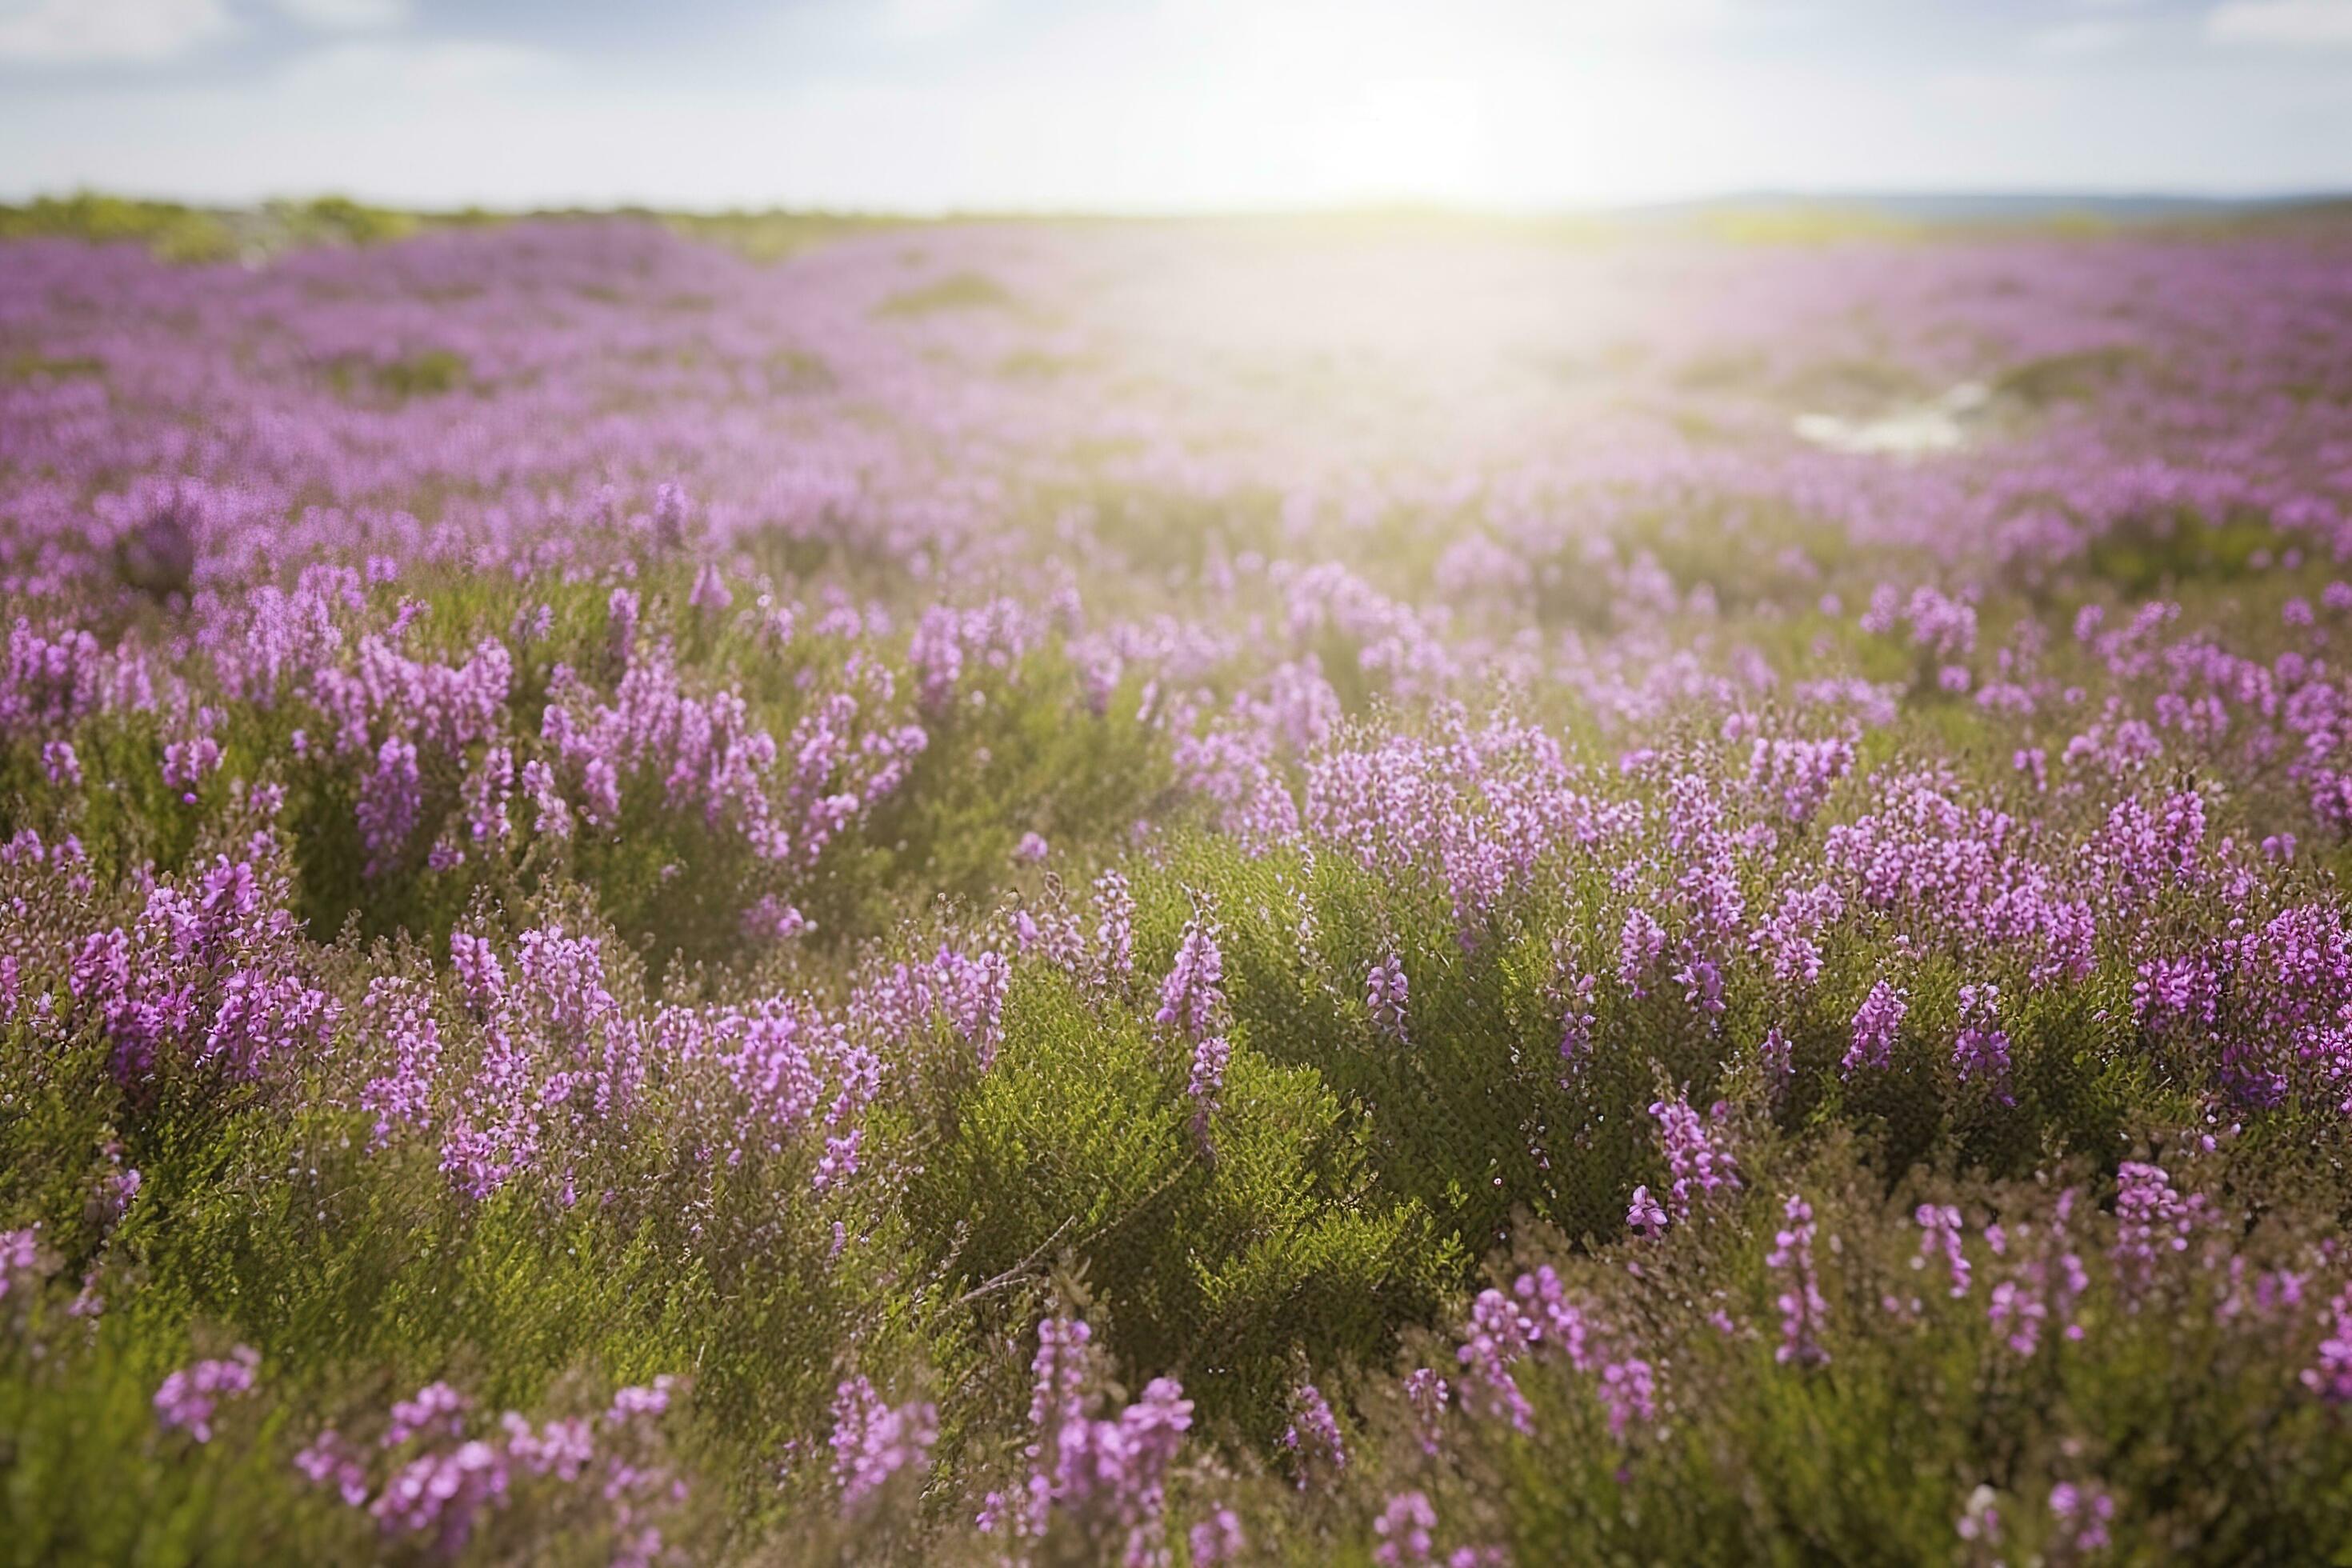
x: 1115, y: 931
x: 1205, y: 1088
x: 2046, y: 1279
x: 437, y: 1410
x: 1629, y: 1393
x: 1981, y: 1055
x: 1404, y: 1529
x: 1426, y: 1393
x: 2330, y: 1377
x: 2086, y: 1512
x: 22, y: 1259
x: 710, y: 594
x: 1217, y: 1538
x: 1645, y: 1216
x: 1875, y: 1027
x: 189, y: 1398
x: 328, y: 1461
x: 1698, y: 1159
x: 1191, y: 999
x: 874, y: 1441
x: 1804, y: 1310
x: 1940, y: 1232
x: 1312, y: 1440
x: 2152, y: 1222
x: 1639, y: 945
x: 1385, y: 994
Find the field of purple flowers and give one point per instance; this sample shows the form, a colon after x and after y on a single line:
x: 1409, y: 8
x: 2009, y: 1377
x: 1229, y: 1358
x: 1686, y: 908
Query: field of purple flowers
x: 1177, y: 894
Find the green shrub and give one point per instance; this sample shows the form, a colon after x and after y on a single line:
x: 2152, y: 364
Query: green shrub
x: 1221, y: 1266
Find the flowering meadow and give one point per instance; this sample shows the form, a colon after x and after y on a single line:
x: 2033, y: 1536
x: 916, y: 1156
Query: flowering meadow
x: 1193, y: 893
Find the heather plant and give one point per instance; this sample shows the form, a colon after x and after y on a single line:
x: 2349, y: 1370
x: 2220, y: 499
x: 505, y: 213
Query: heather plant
x: 1211, y: 1250
x: 877, y: 905
x: 1695, y: 1410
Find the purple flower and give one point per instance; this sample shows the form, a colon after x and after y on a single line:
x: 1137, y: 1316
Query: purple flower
x: 1645, y: 1216
x: 1217, y: 1540
x: 1639, y: 945
x: 1191, y: 998
x: 1981, y: 1055
x: 1875, y: 1026
x: 1403, y: 1528
x: 1803, y: 1312
x: 190, y: 1397
x: 1205, y: 1088
x: 1107, y: 1476
x: 1629, y: 1394
x: 20, y: 1257
x: 1940, y: 1232
x: 2152, y: 1222
x: 1385, y: 994
x: 2331, y: 1378
x: 710, y: 594
x: 1115, y: 929
x: 1426, y: 1393
x: 1313, y: 1438
x: 440, y: 1495
x: 874, y: 1441
x: 641, y: 1402
x: 2086, y: 1511
x: 1700, y: 1164
x: 437, y: 1409
x: 328, y: 1461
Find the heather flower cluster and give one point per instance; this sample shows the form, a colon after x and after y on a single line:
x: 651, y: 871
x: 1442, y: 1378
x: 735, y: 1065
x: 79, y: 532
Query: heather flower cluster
x: 191, y: 1397
x: 874, y: 1441
x: 1803, y: 1307
x: 1094, y: 1479
x: 435, y: 1476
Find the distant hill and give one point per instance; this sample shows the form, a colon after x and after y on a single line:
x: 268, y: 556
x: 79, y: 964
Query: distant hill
x: 182, y: 232
x: 1996, y: 206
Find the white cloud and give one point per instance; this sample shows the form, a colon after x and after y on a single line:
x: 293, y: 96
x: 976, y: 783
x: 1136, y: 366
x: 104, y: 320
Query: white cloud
x: 2084, y: 38
x: 928, y: 21
x: 92, y: 32
x: 1515, y: 26
x: 346, y: 16
x: 2290, y: 22
x: 1994, y: 94
x: 413, y: 68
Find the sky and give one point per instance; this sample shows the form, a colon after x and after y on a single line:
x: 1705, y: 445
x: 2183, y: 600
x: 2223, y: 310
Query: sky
x: 1168, y: 105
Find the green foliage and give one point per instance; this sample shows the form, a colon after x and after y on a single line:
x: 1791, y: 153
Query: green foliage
x: 341, y: 220
x: 173, y: 232
x: 2066, y: 377
x: 2157, y: 549
x: 1221, y: 1264
x: 1025, y: 751
x: 85, y: 1477
x: 768, y: 237
x: 126, y: 816
x: 362, y: 1275
x: 1743, y: 554
x: 957, y: 291
x: 430, y: 372
x: 1874, y: 1457
x: 36, y: 367
x: 1163, y: 531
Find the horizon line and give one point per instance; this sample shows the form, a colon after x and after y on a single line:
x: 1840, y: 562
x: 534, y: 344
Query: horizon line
x: 1965, y: 201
